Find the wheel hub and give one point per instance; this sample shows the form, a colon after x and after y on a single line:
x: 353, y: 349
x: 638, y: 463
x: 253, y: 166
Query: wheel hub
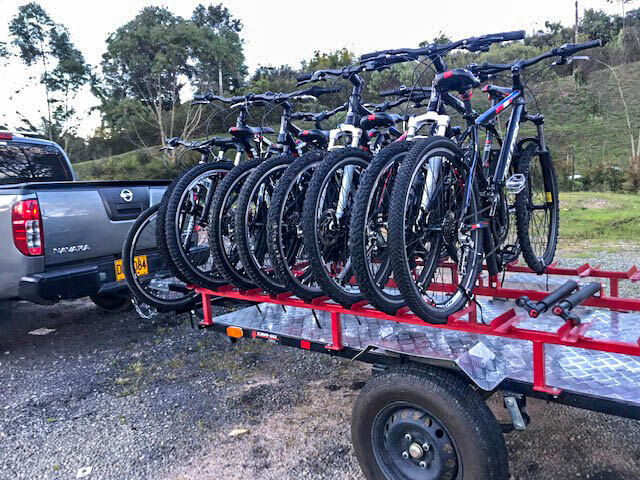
x: 415, y: 451
x: 328, y: 228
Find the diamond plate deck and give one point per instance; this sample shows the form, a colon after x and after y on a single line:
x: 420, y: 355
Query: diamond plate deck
x: 488, y: 360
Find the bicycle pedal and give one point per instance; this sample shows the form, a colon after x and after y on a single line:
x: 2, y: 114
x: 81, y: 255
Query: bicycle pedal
x: 516, y: 183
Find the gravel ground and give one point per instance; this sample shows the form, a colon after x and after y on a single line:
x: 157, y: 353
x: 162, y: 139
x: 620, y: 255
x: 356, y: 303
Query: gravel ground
x: 136, y: 399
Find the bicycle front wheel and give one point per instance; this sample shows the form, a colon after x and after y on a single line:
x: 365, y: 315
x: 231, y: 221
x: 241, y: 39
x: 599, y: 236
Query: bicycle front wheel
x: 537, y: 209
x: 434, y: 239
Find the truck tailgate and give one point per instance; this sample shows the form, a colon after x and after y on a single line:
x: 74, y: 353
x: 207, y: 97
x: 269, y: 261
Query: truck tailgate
x: 86, y: 220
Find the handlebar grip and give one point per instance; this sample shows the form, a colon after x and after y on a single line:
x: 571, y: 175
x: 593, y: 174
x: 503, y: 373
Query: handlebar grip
x: 367, y: 56
x: 590, y: 44
x: 199, y: 98
x: 304, y: 77
x: 515, y: 35
x: 317, y: 91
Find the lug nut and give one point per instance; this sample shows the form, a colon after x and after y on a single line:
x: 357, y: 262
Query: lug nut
x: 425, y: 447
x: 405, y: 455
x: 423, y: 464
x: 407, y: 437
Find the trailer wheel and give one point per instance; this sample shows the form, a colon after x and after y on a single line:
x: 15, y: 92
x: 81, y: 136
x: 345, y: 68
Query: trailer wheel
x: 426, y: 423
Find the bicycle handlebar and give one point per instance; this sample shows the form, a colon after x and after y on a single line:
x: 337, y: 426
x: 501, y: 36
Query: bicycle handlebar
x: 471, y: 44
x: 563, y: 51
x: 318, y: 117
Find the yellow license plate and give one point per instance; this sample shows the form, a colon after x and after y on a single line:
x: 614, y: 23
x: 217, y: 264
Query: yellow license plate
x: 140, y: 263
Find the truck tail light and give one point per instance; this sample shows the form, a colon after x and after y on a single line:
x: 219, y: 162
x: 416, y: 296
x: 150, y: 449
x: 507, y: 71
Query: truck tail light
x: 27, y: 227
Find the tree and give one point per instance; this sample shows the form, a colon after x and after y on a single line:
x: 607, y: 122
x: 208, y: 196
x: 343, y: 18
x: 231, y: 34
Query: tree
x: 597, y: 24
x: 224, y: 63
x: 41, y: 41
x: 324, y: 60
x: 151, y: 59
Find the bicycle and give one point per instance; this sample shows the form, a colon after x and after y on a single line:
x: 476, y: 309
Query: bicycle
x: 454, y: 217
x: 368, y: 243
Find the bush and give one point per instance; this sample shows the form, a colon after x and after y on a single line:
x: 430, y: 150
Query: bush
x: 606, y: 178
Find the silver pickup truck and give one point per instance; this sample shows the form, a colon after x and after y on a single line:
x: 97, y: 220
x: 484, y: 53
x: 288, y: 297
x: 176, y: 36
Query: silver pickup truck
x: 61, y: 238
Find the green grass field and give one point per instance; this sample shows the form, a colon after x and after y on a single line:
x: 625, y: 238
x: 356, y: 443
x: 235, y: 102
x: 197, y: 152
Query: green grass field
x: 596, y: 220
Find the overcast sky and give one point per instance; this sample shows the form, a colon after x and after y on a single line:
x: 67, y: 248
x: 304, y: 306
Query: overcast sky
x: 280, y: 32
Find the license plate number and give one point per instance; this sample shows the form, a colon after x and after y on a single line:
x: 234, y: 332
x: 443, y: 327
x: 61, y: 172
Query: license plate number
x: 140, y: 264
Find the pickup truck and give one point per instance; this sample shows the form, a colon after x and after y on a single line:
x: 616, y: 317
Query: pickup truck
x: 61, y: 238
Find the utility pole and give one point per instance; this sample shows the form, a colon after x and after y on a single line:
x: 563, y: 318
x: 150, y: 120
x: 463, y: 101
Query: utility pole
x: 575, y: 28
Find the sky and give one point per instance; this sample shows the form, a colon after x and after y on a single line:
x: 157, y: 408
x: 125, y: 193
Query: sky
x: 278, y: 32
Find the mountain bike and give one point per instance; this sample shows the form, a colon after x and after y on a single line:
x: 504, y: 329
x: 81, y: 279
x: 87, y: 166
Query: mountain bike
x: 329, y: 197
x: 368, y: 243
x: 456, y: 218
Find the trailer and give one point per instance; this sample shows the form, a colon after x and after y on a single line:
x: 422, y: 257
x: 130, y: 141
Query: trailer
x: 423, y: 414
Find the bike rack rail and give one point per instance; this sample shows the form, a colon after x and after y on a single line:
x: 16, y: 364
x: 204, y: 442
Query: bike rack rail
x: 467, y: 320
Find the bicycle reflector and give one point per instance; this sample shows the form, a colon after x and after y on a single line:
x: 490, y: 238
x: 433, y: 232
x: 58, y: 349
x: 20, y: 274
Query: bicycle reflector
x: 27, y: 227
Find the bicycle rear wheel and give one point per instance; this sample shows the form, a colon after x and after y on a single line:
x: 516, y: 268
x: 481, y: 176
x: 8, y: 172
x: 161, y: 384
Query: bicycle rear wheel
x: 537, y: 209
x: 146, y: 271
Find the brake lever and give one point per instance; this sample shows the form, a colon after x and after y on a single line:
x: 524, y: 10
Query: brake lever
x: 305, y: 97
x: 578, y: 57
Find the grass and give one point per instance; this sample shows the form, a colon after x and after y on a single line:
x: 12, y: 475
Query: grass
x: 599, y: 219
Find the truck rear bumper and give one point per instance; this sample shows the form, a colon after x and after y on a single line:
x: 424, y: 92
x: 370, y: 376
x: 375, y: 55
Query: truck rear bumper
x: 69, y: 283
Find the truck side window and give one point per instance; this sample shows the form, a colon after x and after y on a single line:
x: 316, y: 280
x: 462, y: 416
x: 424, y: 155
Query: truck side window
x: 24, y: 162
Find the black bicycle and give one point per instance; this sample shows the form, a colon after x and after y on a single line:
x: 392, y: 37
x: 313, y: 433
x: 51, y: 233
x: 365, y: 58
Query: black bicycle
x: 448, y: 213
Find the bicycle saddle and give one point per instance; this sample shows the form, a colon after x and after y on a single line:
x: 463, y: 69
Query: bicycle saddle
x: 314, y: 135
x: 380, y: 119
x: 459, y: 80
x: 247, y: 131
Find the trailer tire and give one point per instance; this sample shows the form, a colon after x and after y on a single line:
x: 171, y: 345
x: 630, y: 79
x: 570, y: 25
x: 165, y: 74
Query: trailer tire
x: 434, y: 406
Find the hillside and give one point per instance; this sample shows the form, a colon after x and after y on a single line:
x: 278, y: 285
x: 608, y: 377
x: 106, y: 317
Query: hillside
x: 585, y: 120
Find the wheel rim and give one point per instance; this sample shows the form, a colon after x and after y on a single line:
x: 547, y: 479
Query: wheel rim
x: 376, y: 231
x: 331, y: 233
x: 432, y: 247
x: 227, y: 230
x: 256, y: 220
x: 540, y: 209
x: 411, y: 443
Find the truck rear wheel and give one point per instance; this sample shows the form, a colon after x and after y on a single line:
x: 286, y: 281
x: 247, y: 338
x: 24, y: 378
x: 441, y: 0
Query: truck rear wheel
x: 111, y: 302
x: 426, y: 423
